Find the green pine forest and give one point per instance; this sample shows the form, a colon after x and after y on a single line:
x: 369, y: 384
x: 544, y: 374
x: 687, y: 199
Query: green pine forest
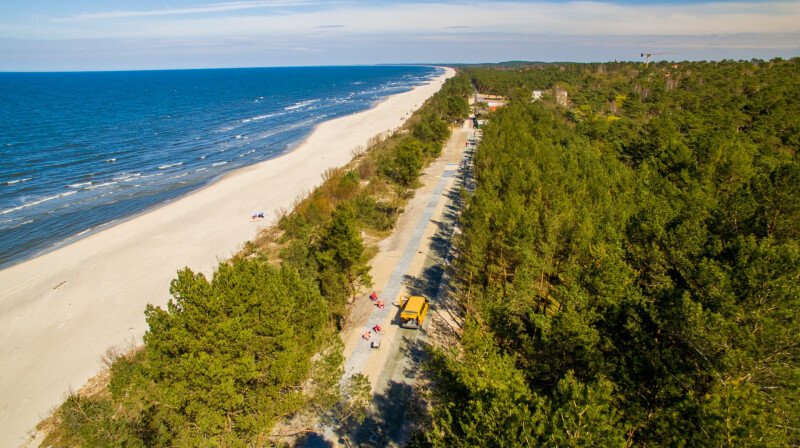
x: 629, y: 262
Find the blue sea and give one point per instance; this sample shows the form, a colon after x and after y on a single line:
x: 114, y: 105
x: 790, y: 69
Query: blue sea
x: 81, y: 151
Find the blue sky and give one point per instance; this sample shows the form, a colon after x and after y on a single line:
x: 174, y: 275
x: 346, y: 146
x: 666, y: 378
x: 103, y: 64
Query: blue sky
x: 45, y: 35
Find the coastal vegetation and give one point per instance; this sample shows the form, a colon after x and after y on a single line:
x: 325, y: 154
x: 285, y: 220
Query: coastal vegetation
x: 630, y: 261
x: 258, y: 342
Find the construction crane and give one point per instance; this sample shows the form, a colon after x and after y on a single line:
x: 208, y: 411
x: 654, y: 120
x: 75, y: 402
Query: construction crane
x: 647, y: 56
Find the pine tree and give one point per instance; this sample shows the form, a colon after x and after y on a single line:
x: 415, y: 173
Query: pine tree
x: 341, y: 259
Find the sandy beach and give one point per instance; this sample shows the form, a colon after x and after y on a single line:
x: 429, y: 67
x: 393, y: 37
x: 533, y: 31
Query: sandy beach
x: 61, y: 311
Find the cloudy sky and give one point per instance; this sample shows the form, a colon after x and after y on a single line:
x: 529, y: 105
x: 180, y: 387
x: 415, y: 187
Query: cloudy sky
x: 49, y: 35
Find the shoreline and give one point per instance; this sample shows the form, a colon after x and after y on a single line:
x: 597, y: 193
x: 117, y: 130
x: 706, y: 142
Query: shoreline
x: 102, y: 227
x: 60, y: 311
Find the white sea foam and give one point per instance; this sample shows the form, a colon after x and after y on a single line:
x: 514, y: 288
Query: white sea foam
x: 127, y: 177
x: 300, y: 104
x: 278, y: 130
x: 304, y: 122
x: 37, y: 202
x: 16, y: 181
x: 104, y: 184
x: 112, y: 160
x: 82, y: 233
x: 170, y: 165
x: 20, y: 224
x: 261, y: 117
x: 151, y: 175
x: 218, y: 163
x: 79, y: 184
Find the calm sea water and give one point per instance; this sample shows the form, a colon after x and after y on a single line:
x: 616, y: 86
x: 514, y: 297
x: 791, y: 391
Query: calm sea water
x: 79, y: 151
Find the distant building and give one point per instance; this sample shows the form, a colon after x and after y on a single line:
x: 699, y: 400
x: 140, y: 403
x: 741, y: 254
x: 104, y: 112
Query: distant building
x: 536, y: 95
x: 484, y: 97
x: 562, y: 98
x: 492, y: 101
x: 493, y: 105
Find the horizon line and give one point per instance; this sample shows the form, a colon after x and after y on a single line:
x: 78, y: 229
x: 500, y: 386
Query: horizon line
x: 388, y: 64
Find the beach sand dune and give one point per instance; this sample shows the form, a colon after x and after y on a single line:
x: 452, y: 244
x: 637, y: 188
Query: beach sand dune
x: 61, y: 311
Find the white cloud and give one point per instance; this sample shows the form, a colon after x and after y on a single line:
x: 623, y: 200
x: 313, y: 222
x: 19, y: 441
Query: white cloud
x: 571, y: 18
x: 117, y: 54
x: 268, y: 32
x: 213, y: 8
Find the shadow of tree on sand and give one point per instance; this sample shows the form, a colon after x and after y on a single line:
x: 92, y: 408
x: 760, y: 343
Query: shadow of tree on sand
x: 387, y: 419
x: 313, y: 440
